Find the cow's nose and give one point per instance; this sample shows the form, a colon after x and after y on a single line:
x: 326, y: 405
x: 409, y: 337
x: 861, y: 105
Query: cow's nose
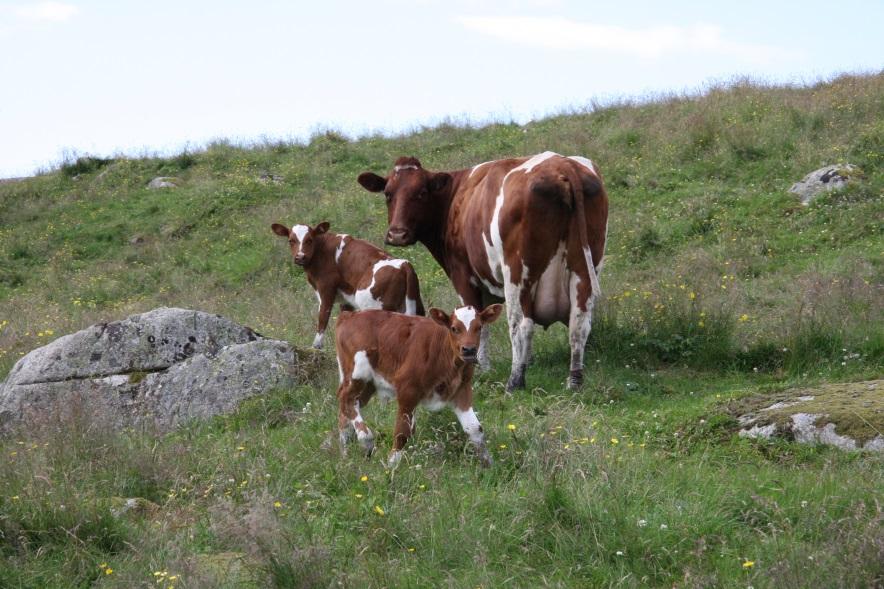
x: 468, y: 352
x: 299, y: 259
x: 396, y: 236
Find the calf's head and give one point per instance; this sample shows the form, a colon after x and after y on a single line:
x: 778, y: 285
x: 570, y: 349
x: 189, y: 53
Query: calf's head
x: 415, y: 198
x: 302, y: 240
x: 465, y: 326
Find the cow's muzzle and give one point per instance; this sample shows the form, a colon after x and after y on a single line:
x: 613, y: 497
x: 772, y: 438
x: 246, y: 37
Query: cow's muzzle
x: 470, y: 355
x: 300, y: 260
x: 396, y: 236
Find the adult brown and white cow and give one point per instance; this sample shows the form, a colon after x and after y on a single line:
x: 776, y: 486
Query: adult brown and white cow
x: 362, y: 276
x: 529, y: 230
x: 425, y: 361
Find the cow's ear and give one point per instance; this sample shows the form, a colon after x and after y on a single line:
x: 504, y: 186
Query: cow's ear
x: 321, y: 228
x: 372, y: 182
x: 439, y: 182
x: 440, y: 317
x: 280, y: 230
x: 491, y: 313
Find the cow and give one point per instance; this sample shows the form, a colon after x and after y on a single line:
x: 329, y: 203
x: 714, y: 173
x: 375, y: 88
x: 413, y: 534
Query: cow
x: 426, y: 361
x: 529, y: 230
x: 362, y: 276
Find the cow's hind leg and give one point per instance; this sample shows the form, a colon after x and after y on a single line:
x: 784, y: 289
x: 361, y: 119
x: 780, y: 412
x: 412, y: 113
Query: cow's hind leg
x: 579, y: 326
x: 521, y: 324
x: 350, y: 418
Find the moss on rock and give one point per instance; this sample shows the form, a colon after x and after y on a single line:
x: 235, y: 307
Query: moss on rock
x: 855, y: 409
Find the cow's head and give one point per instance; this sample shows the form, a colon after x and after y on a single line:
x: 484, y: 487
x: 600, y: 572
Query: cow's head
x: 301, y: 240
x: 465, y: 326
x: 414, y: 198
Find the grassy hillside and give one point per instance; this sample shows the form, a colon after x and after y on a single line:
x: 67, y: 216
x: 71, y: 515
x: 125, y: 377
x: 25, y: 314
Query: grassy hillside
x: 717, y: 284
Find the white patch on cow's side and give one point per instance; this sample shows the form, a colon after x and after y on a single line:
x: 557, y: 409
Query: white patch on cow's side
x: 317, y: 341
x: 434, y: 403
x: 477, y: 166
x: 585, y: 162
x: 466, y: 315
x: 470, y: 424
x: 341, y: 245
x: 364, y: 371
x: 535, y: 161
x: 363, y: 298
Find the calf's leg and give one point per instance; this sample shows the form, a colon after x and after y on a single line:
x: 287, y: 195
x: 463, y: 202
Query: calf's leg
x: 470, y: 424
x: 349, y: 395
x: 404, y: 430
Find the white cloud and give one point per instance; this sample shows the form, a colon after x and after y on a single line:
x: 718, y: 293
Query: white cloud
x: 46, y: 11
x: 649, y: 42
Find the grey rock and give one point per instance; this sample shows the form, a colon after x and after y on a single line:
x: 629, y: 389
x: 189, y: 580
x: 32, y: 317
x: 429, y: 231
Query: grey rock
x: 163, y: 182
x: 158, y: 368
x: 825, y: 179
x: 268, y: 178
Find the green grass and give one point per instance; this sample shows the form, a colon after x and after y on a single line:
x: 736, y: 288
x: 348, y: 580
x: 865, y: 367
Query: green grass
x: 717, y: 285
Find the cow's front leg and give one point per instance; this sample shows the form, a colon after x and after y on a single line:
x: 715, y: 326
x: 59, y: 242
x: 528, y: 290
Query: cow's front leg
x: 471, y: 426
x: 326, y: 302
x: 404, y: 430
x: 579, y: 326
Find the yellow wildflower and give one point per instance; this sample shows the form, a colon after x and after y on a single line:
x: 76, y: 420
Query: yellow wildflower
x: 615, y: 441
x: 511, y: 427
x: 379, y: 510
x: 363, y: 478
x: 748, y: 564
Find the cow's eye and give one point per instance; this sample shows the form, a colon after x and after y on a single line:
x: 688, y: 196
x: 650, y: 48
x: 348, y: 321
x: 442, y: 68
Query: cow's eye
x: 455, y: 329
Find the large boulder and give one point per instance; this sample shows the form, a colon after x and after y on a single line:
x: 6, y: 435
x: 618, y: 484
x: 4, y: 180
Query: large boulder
x: 847, y: 415
x: 161, y: 368
x: 825, y: 179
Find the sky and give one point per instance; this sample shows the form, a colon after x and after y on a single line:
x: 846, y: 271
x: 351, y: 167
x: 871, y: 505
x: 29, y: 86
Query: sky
x: 108, y: 78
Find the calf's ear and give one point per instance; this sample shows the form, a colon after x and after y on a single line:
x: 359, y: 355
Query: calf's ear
x: 321, y: 228
x: 491, y: 313
x: 280, y: 230
x: 371, y: 182
x: 440, y: 317
x: 438, y: 182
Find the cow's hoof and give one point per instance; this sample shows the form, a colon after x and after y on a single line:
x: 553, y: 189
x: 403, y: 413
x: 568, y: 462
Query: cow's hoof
x: 575, y: 380
x: 517, y: 380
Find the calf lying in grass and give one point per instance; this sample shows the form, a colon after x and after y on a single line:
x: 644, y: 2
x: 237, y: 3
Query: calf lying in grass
x: 340, y: 267
x: 417, y: 361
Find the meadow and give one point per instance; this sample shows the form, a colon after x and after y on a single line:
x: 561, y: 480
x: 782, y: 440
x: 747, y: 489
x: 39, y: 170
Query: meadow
x: 718, y: 285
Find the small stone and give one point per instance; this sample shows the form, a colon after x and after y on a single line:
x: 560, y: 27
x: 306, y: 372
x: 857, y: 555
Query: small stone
x: 825, y: 179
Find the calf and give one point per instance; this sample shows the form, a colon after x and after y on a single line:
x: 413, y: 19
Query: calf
x: 417, y: 360
x: 340, y: 267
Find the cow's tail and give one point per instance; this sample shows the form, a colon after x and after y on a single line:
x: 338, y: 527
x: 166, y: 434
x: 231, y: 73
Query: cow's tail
x: 580, y: 208
x: 413, y: 290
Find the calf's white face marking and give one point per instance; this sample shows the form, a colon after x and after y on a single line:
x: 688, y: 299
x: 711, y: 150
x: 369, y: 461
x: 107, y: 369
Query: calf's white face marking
x: 300, y: 232
x: 466, y: 316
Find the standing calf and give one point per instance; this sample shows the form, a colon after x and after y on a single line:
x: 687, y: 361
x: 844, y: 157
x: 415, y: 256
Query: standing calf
x: 417, y: 361
x: 356, y: 272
